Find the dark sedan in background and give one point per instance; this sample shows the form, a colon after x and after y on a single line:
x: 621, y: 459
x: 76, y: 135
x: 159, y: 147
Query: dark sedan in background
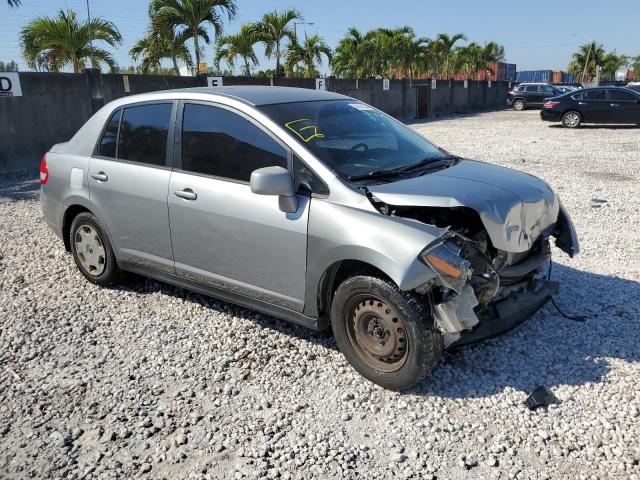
x: 593, y: 105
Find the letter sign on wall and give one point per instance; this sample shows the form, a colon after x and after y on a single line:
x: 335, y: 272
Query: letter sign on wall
x: 10, y: 84
x: 433, y: 84
x: 321, y: 84
x: 214, y: 81
x: 386, y: 84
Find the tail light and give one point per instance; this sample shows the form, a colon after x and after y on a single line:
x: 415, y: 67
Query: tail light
x: 550, y: 104
x: 44, y: 171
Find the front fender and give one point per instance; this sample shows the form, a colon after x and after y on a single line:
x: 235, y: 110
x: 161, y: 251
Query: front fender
x: 391, y: 244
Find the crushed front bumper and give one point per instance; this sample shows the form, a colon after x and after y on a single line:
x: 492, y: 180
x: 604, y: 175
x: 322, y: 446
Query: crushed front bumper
x: 505, y: 314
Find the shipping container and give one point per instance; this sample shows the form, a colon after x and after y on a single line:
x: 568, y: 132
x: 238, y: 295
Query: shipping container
x: 569, y: 78
x: 511, y: 72
x: 534, y: 76
x: 556, y: 77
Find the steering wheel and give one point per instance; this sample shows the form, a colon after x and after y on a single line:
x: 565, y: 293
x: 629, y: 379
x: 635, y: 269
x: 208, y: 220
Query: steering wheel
x: 359, y: 145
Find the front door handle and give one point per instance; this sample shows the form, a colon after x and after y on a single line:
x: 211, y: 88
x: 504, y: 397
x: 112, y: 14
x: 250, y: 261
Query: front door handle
x: 581, y: 103
x: 100, y: 176
x: 615, y: 105
x: 187, y: 194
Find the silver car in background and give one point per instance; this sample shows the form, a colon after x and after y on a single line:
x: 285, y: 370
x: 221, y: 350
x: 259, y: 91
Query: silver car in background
x: 312, y: 207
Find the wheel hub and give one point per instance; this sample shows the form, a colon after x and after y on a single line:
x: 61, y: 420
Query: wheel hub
x: 378, y: 334
x: 90, y: 250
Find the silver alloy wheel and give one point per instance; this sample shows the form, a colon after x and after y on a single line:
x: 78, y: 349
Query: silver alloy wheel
x: 518, y: 105
x: 90, y: 250
x: 571, y: 120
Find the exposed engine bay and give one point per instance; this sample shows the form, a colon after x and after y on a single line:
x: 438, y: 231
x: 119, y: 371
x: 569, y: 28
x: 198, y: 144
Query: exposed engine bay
x: 480, y: 290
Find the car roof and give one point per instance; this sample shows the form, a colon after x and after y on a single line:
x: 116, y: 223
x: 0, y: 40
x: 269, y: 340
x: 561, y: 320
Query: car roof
x: 257, y: 95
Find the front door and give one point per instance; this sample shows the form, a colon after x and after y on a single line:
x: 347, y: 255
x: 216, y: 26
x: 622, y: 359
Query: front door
x: 625, y: 106
x: 223, y: 234
x: 128, y: 184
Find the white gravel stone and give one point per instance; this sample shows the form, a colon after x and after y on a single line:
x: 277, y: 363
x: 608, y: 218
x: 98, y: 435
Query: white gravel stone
x: 149, y: 380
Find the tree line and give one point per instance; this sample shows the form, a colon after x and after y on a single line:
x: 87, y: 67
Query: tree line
x: 178, y: 29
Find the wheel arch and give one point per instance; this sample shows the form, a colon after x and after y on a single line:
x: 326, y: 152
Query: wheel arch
x: 70, y: 213
x: 337, y: 273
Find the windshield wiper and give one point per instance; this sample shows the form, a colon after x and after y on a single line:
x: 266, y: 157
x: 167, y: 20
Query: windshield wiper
x: 424, y: 162
x: 376, y: 174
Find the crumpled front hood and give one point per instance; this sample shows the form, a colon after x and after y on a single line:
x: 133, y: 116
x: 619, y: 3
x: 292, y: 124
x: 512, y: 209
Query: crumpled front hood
x: 514, y: 207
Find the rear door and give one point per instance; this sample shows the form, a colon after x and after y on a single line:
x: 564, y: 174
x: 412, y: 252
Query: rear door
x: 223, y: 234
x: 533, y: 95
x: 594, y: 106
x: 128, y: 183
x: 625, y: 106
x: 548, y: 91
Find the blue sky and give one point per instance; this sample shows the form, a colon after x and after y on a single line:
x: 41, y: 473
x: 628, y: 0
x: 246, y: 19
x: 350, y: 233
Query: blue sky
x: 537, y: 35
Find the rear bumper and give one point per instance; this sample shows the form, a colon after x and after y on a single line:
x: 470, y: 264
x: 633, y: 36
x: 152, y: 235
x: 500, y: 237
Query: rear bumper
x: 550, y: 115
x: 507, y: 313
x: 52, y: 212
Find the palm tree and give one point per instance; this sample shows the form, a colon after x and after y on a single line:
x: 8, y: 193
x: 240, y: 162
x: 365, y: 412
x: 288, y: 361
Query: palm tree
x: 190, y: 18
x: 14, y: 3
x: 53, y: 43
x: 240, y: 45
x: 635, y: 66
x: 309, y: 54
x: 273, y: 29
x: 158, y: 44
x: 349, y: 60
x: 586, y: 60
x: 444, y: 50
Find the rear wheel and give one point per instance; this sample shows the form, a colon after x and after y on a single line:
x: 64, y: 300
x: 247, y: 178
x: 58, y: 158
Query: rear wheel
x: 92, y: 251
x: 571, y: 119
x: 519, y: 104
x: 385, y: 334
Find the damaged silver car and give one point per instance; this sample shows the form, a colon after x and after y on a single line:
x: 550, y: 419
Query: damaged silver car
x: 309, y: 206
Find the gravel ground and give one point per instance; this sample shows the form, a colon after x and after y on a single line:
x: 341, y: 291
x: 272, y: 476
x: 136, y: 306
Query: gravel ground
x: 147, y: 380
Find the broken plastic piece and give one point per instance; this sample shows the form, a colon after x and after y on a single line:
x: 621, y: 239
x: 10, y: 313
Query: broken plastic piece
x: 540, y: 397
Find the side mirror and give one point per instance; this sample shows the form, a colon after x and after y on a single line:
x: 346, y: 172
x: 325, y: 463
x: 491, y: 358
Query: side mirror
x: 275, y: 181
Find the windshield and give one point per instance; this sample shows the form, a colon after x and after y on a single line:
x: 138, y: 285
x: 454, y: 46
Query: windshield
x: 352, y: 138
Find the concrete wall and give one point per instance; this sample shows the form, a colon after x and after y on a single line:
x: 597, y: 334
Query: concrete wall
x: 55, y: 105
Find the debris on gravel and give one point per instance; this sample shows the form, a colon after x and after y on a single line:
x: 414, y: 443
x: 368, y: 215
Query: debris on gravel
x: 152, y: 381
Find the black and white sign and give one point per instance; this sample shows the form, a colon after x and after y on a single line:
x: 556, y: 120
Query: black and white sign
x: 433, y: 84
x: 466, y: 84
x: 386, y: 84
x: 488, y: 83
x: 321, y: 84
x: 10, y: 84
x: 214, y: 81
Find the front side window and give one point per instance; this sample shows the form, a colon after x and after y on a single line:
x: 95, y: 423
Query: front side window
x: 548, y: 89
x: 109, y: 140
x: 352, y: 138
x: 621, y: 96
x: 143, y: 133
x: 218, y: 142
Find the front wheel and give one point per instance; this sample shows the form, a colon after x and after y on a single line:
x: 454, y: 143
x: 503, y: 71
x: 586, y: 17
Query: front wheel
x: 571, y: 119
x: 385, y: 334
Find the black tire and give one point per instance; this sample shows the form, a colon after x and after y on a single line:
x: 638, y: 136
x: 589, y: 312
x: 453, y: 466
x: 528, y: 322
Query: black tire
x: 423, y: 345
x: 572, y: 119
x: 519, y: 104
x: 107, y: 272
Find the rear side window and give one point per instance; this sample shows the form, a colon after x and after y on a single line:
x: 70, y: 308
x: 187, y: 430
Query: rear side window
x: 109, y: 140
x: 619, y: 95
x: 593, y: 95
x: 218, y: 142
x: 548, y: 89
x: 143, y: 133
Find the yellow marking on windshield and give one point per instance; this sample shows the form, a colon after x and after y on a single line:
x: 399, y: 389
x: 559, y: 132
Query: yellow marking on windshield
x: 300, y: 129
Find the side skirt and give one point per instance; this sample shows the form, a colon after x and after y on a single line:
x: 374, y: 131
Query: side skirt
x: 241, y: 300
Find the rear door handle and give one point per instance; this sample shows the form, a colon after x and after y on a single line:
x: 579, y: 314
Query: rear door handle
x: 187, y: 194
x: 581, y: 103
x: 615, y: 105
x: 100, y: 176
